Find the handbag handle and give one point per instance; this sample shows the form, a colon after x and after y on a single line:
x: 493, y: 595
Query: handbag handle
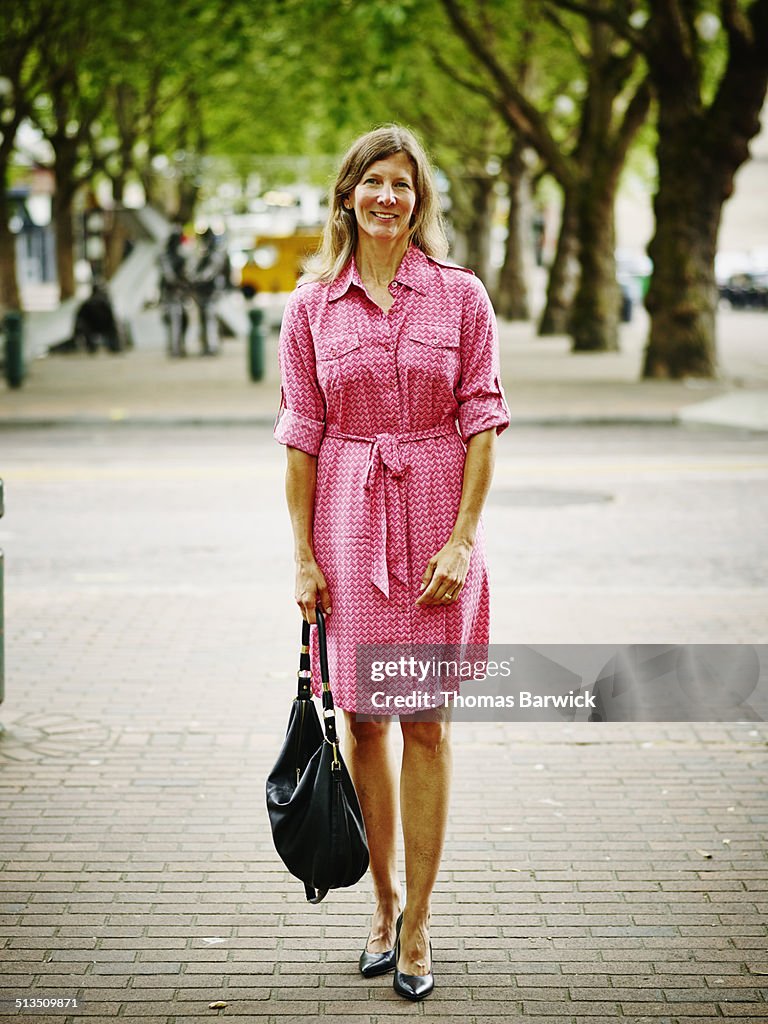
x: 329, y: 711
x: 305, y: 670
x: 305, y: 676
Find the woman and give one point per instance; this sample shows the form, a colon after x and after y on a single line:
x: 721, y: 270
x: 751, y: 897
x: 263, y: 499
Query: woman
x: 391, y: 403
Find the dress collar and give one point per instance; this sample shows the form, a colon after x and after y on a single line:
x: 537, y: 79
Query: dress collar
x: 412, y: 273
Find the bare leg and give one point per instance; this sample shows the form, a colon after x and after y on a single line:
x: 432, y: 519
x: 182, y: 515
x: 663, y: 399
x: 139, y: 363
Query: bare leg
x: 425, y: 783
x: 372, y: 765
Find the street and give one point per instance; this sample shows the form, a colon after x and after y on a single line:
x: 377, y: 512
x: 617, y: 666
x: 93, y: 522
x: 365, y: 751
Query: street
x: 151, y: 646
x: 631, y: 534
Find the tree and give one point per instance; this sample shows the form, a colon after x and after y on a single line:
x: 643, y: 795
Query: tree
x: 511, y: 291
x: 20, y: 86
x: 511, y: 299
x: 466, y: 138
x: 615, y: 103
x: 708, y: 111
x: 372, y: 67
x: 69, y: 106
x: 135, y: 71
x: 136, y: 99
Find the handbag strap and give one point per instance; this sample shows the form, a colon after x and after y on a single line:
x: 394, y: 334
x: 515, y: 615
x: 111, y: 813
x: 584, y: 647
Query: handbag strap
x: 314, y: 895
x: 304, y: 691
x: 305, y: 670
x: 329, y: 717
x: 329, y: 711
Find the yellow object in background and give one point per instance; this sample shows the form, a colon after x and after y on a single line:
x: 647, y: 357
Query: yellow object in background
x: 276, y: 261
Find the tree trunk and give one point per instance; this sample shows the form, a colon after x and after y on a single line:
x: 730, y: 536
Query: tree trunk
x: 563, y: 274
x: 146, y: 172
x: 603, y: 145
x: 512, y: 289
x: 65, y: 244
x: 192, y: 141
x: 682, y: 298
x: 699, y: 151
x: 117, y: 235
x: 477, y: 233
x: 188, y: 192
x: 116, y: 240
x: 594, y: 322
x: 63, y: 196
x: 10, y: 297
x: 147, y: 177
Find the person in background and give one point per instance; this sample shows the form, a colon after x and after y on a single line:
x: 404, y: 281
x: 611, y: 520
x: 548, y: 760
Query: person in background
x: 95, y: 321
x: 209, y: 278
x: 173, y: 290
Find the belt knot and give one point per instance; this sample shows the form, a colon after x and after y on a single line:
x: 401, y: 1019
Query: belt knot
x: 385, y: 449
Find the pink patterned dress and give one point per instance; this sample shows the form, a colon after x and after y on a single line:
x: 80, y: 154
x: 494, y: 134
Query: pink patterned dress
x: 387, y: 402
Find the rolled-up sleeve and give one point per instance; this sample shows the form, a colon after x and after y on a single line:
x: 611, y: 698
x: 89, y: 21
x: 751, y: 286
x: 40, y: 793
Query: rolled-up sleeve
x: 300, y: 420
x: 482, y: 404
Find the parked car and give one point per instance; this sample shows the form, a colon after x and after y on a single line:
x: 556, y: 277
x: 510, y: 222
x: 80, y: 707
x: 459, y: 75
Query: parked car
x: 746, y: 291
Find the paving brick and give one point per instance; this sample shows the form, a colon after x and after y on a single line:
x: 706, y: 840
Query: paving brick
x: 531, y: 1019
x: 605, y: 1010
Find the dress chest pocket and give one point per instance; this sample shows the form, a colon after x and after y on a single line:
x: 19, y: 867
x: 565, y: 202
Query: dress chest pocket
x: 336, y: 356
x: 434, y: 337
x: 434, y: 348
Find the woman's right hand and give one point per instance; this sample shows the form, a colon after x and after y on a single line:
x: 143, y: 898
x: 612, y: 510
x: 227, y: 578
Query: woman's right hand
x: 311, y: 589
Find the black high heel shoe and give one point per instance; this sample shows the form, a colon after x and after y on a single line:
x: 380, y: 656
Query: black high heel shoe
x: 412, y: 986
x: 374, y: 964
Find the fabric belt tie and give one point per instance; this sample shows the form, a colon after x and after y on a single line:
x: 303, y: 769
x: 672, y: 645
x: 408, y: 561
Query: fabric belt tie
x: 383, y: 477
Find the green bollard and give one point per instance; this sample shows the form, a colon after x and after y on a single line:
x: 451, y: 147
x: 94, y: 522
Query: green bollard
x: 14, y: 350
x: 256, y: 345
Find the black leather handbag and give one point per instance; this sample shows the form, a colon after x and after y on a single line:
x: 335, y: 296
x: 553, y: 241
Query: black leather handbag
x: 317, y: 824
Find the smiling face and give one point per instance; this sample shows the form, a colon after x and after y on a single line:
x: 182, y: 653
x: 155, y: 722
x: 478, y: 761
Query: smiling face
x: 384, y: 200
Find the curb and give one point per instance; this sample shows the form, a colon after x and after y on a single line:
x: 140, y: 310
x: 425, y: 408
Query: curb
x: 664, y: 419
x: 48, y: 422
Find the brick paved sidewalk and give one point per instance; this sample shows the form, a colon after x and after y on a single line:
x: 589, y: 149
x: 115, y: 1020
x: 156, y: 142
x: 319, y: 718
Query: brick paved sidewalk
x: 583, y: 880
x: 591, y: 874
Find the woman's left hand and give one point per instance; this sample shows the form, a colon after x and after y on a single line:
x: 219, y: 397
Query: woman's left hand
x: 445, y: 574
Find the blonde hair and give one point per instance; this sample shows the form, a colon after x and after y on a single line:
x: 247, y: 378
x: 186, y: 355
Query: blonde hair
x: 340, y: 231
